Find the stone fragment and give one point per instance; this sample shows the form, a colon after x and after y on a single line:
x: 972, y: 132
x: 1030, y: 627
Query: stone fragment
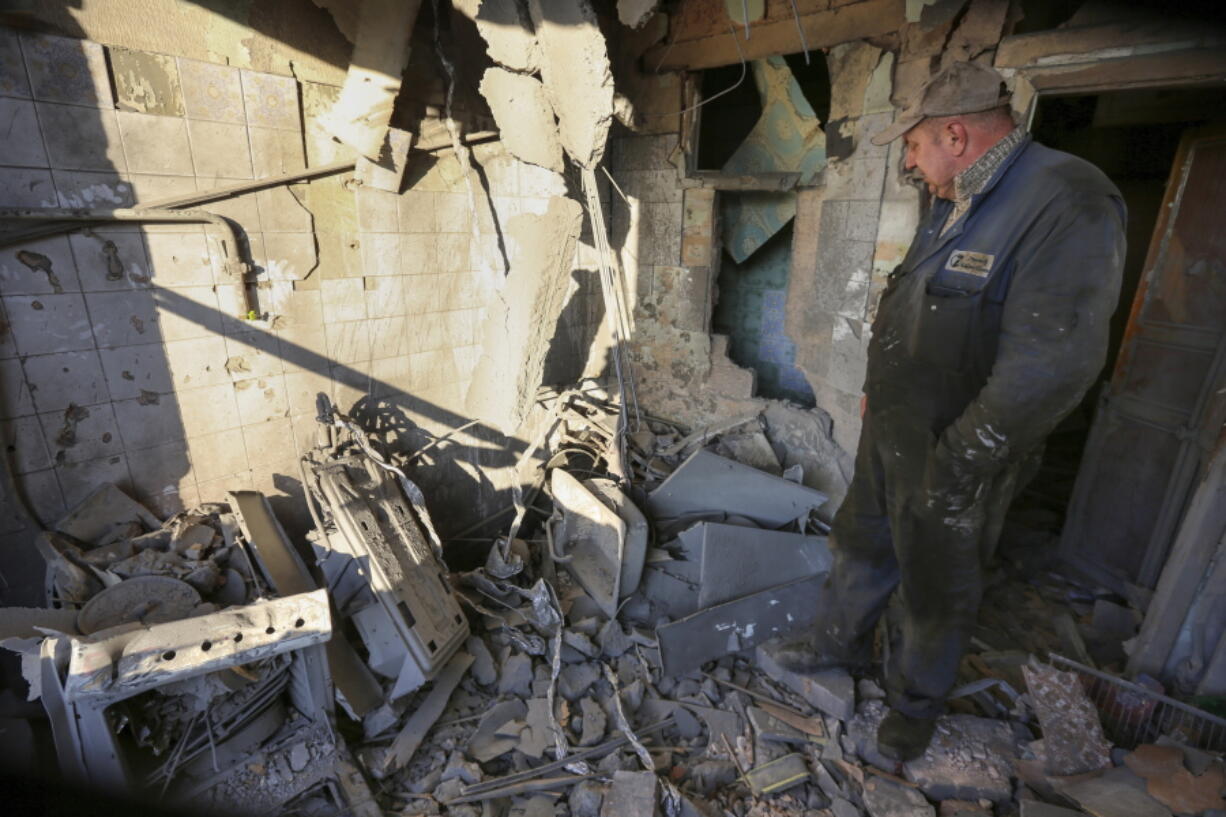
x: 575, y: 679
x: 885, y: 798
x: 970, y: 758
x: 632, y: 793
x: 613, y: 639
x: 1072, y: 733
x: 585, y: 799
x: 636, y: 13
x: 1110, y: 795
x: 483, y: 668
x: 710, y: 775
x: 594, y: 722
x: 506, y: 30
x: 516, y: 676
x: 458, y: 768
x: 539, y: 734
x: 486, y: 743
x: 524, y: 116
x: 1185, y: 793
x: 299, y: 757
x: 1149, y: 760
x: 579, y: 643
x: 833, y: 692
x: 964, y: 808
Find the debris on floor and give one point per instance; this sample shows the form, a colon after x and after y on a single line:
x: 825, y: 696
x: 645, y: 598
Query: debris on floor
x: 604, y: 661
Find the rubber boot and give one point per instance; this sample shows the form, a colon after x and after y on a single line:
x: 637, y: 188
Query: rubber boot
x: 901, y: 737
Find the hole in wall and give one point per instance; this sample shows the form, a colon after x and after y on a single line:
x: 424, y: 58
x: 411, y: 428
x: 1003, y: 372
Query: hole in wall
x: 751, y: 310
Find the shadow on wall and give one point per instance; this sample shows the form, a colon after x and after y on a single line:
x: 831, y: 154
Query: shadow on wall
x: 124, y: 357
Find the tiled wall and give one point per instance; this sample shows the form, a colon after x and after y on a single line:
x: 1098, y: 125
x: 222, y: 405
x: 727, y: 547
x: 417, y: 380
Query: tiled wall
x: 133, y: 359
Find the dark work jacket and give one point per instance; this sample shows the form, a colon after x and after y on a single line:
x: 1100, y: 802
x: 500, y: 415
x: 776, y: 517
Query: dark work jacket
x: 989, y: 335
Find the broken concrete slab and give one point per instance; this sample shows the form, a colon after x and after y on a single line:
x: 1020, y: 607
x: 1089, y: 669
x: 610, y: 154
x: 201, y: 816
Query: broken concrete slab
x: 575, y: 679
x: 507, y: 31
x: 709, y: 482
x: 520, y: 325
x: 591, y: 537
x: 524, y: 116
x: 736, y: 625
x: 486, y: 743
x: 484, y: 671
x: 632, y: 793
x: 1072, y: 732
x: 387, y: 171
x: 516, y: 676
x: 636, y: 13
x: 832, y: 692
x: 1108, y: 795
x: 363, y: 110
x: 738, y: 561
x: 970, y: 758
x: 107, y: 510
x: 383, y: 762
x: 886, y: 798
x: 578, y: 79
x: 594, y: 722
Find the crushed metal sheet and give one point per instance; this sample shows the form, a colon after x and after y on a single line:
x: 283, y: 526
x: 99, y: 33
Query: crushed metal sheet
x: 708, y: 482
x: 738, y: 561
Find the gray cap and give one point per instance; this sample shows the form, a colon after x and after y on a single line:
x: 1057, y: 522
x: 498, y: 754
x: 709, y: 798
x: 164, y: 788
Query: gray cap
x: 961, y: 87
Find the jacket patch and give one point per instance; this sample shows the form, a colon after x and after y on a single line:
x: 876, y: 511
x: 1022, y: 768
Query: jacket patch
x: 972, y: 263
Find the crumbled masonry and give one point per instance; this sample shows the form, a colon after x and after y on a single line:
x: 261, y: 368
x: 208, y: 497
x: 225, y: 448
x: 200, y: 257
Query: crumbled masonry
x: 545, y: 669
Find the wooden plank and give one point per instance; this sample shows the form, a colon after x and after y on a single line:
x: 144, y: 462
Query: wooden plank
x: 770, y: 38
x: 1025, y: 49
x: 1179, y: 68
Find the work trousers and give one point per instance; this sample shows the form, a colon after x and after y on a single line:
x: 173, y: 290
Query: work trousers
x: 888, y: 534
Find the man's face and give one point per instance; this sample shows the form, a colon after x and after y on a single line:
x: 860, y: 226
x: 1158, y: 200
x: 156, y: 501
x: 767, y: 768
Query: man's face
x: 933, y: 153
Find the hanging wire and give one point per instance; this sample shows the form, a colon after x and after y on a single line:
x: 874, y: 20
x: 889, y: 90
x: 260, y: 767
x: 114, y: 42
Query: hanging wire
x: 713, y: 97
x: 800, y: 31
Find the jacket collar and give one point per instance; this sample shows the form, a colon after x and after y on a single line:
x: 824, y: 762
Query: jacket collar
x: 941, y: 210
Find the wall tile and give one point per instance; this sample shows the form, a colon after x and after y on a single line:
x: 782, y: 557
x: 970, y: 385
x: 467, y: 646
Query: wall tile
x: 79, y: 480
x: 212, y: 92
x: 149, y: 420
x: 155, y: 144
x: 21, y: 141
x: 49, y: 323
x: 301, y: 389
x: 196, y: 362
x: 26, y: 187
x: 270, y: 443
x: 7, y: 347
x: 274, y: 152
x: 135, y: 370
x: 418, y: 255
x: 377, y: 211
x: 217, y: 455
x: 290, y: 256
x: 271, y: 101
x: 110, y: 261
x: 348, y: 342
x: 385, y: 296
x: 382, y: 252
x: 220, y: 149
x: 209, y: 409
x: 416, y: 211
x: 14, y: 393
x: 124, y: 318
x: 43, y: 491
x: 147, y: 83
x: 343, y: 299
x: 92, y: 189
x: 452, y: 252
x: 81, y: 138
x: 24, y: 439
x: 56, y: 380
x: 80, y: 433
x: 453, y: 213
x: 189, y: 312
x: 67, y: 70
x: 253, y: 354
x: 13, y: 79
x: 179, y: 259
x: 40, y: 267
x: 261, y: 399
x: 281, y: 212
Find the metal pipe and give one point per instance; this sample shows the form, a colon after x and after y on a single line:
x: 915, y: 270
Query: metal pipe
x: 231, y: 263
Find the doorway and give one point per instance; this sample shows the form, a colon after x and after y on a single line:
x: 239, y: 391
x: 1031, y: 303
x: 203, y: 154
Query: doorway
x: 1134, y: 137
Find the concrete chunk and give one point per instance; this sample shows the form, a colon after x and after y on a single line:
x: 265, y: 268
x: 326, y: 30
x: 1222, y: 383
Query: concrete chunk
x: 516, y: 677
x: 1072, y: 733
x: 524, y: 116
x: 885, y: 798
x: 577, y: 76
x: 632, y: 793
x: 969, y: 758
x: 507, y: 31
x: 833, y: 692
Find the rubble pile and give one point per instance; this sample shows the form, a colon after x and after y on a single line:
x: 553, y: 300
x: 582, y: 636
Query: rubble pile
x: 608, y: 658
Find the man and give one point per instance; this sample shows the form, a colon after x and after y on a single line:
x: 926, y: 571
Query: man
x: 987, y: 335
